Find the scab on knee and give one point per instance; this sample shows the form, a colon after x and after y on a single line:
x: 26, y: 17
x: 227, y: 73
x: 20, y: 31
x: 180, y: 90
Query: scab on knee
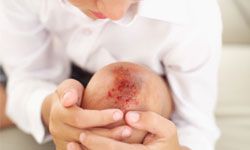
x: 127, y: 85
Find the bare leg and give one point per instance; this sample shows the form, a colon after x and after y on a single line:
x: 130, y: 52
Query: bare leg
x: 4, y: 120
x: 128, y: 86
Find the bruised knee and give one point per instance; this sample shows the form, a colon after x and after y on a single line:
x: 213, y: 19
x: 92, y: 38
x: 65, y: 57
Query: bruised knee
x: 128, y: 86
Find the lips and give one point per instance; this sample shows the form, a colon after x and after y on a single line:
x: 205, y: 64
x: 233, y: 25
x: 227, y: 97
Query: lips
x: 98, y: 15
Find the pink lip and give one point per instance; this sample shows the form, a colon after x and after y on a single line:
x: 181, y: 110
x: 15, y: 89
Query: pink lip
x: 99, y: 15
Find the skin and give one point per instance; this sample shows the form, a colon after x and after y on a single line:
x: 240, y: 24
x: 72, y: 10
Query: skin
x: 4, y: 120
x: 164, y: 137
x: 128, y: 87
x: 112, y: 9
x: 63, y: 113
x: 61, y: 109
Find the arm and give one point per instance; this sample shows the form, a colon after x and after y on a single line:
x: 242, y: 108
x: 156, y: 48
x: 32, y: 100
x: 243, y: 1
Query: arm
x: 191, y: 68
x: 32, y: 67
x: 34, y: 70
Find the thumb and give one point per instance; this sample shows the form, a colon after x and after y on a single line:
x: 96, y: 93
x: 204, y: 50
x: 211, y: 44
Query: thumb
x: 70, y: 92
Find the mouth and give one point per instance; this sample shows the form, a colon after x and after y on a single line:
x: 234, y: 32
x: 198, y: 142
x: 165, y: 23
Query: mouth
x: 98, y: 15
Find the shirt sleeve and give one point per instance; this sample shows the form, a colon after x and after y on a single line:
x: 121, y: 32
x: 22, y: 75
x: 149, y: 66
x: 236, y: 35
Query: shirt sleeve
x: 33, y: 67
x: 165, y: 10
x: 191, y: 64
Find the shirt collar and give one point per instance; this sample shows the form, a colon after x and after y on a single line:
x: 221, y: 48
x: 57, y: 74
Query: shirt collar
x: 175, y: 11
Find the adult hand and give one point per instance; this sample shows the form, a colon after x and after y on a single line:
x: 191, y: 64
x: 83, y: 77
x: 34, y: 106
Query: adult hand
x: 65, y: 118
x: 163, y: 134
x: 101, y: 9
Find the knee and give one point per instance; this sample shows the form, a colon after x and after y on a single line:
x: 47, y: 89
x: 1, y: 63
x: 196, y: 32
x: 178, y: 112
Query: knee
x: 130, y: 86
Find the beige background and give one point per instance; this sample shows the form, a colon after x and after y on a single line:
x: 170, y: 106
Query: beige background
x: 233, y: 111
x: 236, y: 18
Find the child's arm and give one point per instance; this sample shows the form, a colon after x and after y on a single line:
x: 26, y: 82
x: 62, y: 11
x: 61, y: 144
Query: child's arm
x: 32, y: 66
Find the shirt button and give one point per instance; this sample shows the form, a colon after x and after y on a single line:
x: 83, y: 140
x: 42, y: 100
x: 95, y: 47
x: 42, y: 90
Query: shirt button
x: 87, y: 31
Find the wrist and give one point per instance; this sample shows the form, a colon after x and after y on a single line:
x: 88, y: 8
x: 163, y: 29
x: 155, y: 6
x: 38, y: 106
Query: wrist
x: 46, y: 109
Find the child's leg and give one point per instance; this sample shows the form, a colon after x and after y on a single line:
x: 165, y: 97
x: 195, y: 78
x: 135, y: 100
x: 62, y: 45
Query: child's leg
x: 128, y: 86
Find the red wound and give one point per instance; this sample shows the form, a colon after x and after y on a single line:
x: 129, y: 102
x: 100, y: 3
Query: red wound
x: 127, y: 86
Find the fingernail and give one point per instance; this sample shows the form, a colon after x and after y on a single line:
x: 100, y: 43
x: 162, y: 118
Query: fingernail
x: 126, y: 132
x: 68, y: 97
x: 117, y: 115
x: 70, y: 146
x: 133, y: 116
x: 82, y: 137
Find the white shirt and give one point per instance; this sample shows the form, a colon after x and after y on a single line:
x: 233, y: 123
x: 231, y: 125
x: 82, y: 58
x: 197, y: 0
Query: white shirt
x: 180, y: 39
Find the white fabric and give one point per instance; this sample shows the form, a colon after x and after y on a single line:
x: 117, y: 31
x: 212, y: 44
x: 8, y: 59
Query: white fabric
x: 182, y: 42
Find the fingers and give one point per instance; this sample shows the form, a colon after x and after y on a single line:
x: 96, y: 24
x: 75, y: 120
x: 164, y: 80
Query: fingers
x: 96, y: 142
x: 151, y: 122
x: 118, y: 133
x: 72, y: 135
x: 82, y: 118
x: 70, y: 92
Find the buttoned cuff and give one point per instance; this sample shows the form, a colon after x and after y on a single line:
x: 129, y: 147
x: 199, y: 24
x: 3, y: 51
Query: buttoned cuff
x: 34, y: 108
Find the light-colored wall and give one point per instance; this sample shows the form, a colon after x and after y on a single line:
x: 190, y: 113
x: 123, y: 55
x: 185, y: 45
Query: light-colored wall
x: 236, y: 20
